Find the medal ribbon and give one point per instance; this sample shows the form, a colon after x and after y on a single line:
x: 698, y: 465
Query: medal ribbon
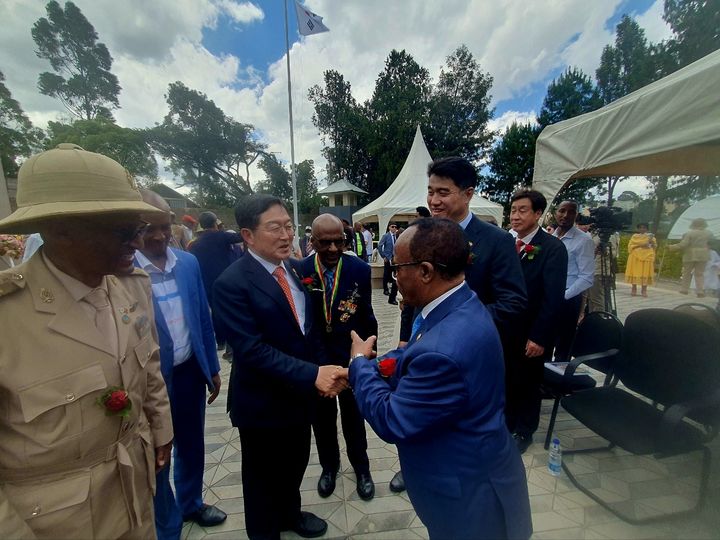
x: 327, y: 309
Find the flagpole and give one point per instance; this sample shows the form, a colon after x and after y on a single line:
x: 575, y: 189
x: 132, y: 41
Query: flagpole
x: 290, y: 116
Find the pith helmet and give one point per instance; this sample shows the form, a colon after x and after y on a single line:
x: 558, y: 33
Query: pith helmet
x: 68, y: 180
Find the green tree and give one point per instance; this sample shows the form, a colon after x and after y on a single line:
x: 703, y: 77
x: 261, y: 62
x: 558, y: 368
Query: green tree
x: 18, y: 137
x: 696, y: 25
x: 344, y: 127
x: 211, y: 151
x: 82, y: 80
x: 277, y: 178
x: 129, y: 147
x: 400, y: 102
x: 279, y: 183
x: 570, y: 95
x: 511, y: 164
x: 460, y: 109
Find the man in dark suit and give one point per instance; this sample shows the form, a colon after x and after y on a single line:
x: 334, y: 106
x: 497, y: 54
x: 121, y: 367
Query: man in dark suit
x: 442, y: 404
x: 385, y: 249
x: 189, y: 364
x: 277, y: 369
x: 544, y: 260
x: 493, y: 272
x: 341, y: 292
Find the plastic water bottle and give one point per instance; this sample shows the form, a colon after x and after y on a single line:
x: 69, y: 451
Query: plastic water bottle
x: 555, y: 457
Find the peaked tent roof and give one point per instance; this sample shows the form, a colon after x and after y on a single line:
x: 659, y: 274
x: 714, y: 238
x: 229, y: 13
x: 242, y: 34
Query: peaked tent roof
x: 409, y: 190
x: 709, y: 209
x: 669, y: 127
x: 341, y: 186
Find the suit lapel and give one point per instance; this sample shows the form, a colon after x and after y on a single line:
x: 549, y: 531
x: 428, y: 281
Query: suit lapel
x: 123, y: 306
x: 265, y: 283
x: 69, y: 319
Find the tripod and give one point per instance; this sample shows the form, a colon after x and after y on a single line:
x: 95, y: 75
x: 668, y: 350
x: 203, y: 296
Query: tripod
x: 607, y: 270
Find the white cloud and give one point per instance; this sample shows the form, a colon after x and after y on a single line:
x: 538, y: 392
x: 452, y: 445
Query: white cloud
x: 499, y: 125
x: 519, y: 43
x: 656, y: 29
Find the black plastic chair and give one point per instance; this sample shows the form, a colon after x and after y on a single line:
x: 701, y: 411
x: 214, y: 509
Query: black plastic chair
x: 669, y: 358
x: 599, y: 332
x: 701, y: 312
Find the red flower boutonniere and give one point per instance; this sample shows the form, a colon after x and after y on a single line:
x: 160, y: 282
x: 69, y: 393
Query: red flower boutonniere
x: 311, y: 283
x: 471, y: 255
x: 531, y: 251
x: 116, y: 402
x: 386, y: 366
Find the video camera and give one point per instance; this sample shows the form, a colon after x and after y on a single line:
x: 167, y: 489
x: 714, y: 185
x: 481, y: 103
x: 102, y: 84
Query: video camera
x: 610, y: 220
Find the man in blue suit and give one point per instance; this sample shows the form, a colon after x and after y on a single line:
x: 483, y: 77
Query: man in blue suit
x: 341, y: 293
x: 189, y: 364
x: 385, y: 249
x: 442, y: 404
x: 277, y: 371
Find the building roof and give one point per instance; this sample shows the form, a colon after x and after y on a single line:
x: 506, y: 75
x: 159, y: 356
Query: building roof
x: 168, y: 193
x: 341, y: 186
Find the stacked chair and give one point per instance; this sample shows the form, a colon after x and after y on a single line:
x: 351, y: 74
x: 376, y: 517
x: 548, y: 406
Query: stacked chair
x: 664, y: 399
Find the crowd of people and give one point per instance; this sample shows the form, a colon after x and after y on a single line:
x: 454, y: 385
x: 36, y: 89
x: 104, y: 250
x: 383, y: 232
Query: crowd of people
x: 114, y: 323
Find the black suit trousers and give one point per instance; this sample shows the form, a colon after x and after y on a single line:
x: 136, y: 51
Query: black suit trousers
x: 326, y: 437
x: 273, y: 464
x: 523, y: 377
x: 388, y: 279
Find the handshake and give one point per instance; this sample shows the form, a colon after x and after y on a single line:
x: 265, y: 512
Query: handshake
x: 331, y: 380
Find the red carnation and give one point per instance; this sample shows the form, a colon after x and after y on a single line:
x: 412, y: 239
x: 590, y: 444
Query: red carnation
x: 529, y: 248
x: 386, y: 366
x: 116, y: 402
x: 307, y: 281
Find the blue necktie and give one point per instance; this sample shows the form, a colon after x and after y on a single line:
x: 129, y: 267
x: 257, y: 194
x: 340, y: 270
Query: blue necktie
x: 329, y: 274
x: 416, y: 326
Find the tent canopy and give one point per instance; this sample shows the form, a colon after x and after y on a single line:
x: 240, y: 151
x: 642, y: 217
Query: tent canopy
x: 409, y: 190
x: 708, y: 209
x: 669, y: 127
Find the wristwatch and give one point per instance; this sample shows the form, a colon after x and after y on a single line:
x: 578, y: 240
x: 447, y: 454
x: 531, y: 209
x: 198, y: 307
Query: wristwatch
x: 358, y: 355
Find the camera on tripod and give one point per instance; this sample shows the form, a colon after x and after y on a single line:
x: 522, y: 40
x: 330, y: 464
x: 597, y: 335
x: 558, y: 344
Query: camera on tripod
x: 609, y: 220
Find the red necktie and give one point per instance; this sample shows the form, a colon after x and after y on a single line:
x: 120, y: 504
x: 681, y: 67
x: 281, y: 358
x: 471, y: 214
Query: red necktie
x: 279, y: 274
x: 519, y: 246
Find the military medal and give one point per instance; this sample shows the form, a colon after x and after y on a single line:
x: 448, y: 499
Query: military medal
x: 125, y: 317
x: 47, y: 296
x: 328, y: 302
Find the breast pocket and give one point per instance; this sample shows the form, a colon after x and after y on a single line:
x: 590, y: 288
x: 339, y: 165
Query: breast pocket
x: 54, y: 407
x: 54, y: 509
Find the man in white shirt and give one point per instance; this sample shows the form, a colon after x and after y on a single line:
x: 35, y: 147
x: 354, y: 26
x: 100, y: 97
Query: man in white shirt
x: 581, y: 267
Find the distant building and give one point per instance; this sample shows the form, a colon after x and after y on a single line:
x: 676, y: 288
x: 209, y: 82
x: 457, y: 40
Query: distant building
x: 175, y: 199
x: 342, y: 199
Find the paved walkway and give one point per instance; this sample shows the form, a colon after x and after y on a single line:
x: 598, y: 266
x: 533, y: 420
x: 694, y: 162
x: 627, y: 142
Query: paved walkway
x: 559, y: 510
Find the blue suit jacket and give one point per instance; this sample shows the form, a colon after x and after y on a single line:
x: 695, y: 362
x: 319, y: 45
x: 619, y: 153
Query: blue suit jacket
x: 197, y: 316
x: 355, y: 282
x: 272, y: 382
x: 443, y: 408
x: 386, y: 247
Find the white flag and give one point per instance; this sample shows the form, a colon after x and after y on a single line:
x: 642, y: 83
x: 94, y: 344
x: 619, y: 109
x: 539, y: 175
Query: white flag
x: 308, y: 22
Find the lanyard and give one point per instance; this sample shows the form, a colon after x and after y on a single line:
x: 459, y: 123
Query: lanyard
x: 327, y: 307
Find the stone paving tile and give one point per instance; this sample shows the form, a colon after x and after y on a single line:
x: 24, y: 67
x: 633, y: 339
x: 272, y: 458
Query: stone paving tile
x: 560, y: 511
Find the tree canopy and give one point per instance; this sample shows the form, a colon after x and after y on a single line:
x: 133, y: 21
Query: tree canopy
x: 82, y: 80
x: 210, y: 151
x: 18, y: 137
x: 279, y: 182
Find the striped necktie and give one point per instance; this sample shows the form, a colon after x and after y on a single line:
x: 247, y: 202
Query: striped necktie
x: 279, y: 274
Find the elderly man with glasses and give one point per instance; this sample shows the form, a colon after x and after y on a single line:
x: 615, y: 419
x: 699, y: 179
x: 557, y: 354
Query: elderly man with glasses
x: 84, y: 414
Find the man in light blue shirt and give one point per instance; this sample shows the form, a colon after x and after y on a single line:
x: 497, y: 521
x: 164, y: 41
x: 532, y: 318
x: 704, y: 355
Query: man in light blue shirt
x: 581, y: 267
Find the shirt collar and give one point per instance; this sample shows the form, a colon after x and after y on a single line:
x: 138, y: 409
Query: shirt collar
x: 147, y: 265
x: 528, y: 238
x: 439, y: 300
x: 466, y: 221
x: 267, y: 265
x: 570, y: 234
x: 77, y: 289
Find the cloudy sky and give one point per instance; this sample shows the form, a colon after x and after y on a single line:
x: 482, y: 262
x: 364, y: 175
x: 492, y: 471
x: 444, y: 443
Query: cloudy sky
x: 234, y: 51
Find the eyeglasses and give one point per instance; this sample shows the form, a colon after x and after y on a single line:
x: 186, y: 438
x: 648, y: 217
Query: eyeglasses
x: 394, y: 267
x: 339, y: 243
x: 277, y: 230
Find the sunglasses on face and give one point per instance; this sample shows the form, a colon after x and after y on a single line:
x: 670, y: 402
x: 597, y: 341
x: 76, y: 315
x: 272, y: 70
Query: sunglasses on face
x: 326, y: 243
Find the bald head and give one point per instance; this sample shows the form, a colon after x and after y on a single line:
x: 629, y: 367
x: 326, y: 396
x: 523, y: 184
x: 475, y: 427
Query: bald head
x: 328, y: 238
x: 155, y: 200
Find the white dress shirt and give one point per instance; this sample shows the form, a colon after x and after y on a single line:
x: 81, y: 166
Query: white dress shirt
x: 581, y: 261
x: 297, y: 294
x: 439, y: 300
x: 167, y: 295
x: 464, y: 222
x: 527, y: 239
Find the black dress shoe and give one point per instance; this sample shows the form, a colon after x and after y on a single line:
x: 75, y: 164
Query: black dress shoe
x: 326, y: 484
x: 522, y: 441
x: 397, y: 484
x: 386, y: 293
x: 308, y: 525
x: 365, y: 486
x: 393, y: 302
x: 207, y: 516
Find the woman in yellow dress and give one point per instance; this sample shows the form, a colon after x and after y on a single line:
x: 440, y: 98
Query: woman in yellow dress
x: 640, y: 268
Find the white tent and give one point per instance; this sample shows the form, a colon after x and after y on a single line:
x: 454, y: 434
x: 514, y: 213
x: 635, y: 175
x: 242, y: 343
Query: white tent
x: 409, y: 190
x: 708, y: 209
x: 669, y: 127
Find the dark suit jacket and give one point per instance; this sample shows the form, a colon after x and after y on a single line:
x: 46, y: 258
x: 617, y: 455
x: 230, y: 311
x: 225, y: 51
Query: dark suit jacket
x: 495, y: 276
x: 354, y: 283
x: 272, y: 382
x: 545, y: 276
x: 443, y: 409
x: 214, y: 251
